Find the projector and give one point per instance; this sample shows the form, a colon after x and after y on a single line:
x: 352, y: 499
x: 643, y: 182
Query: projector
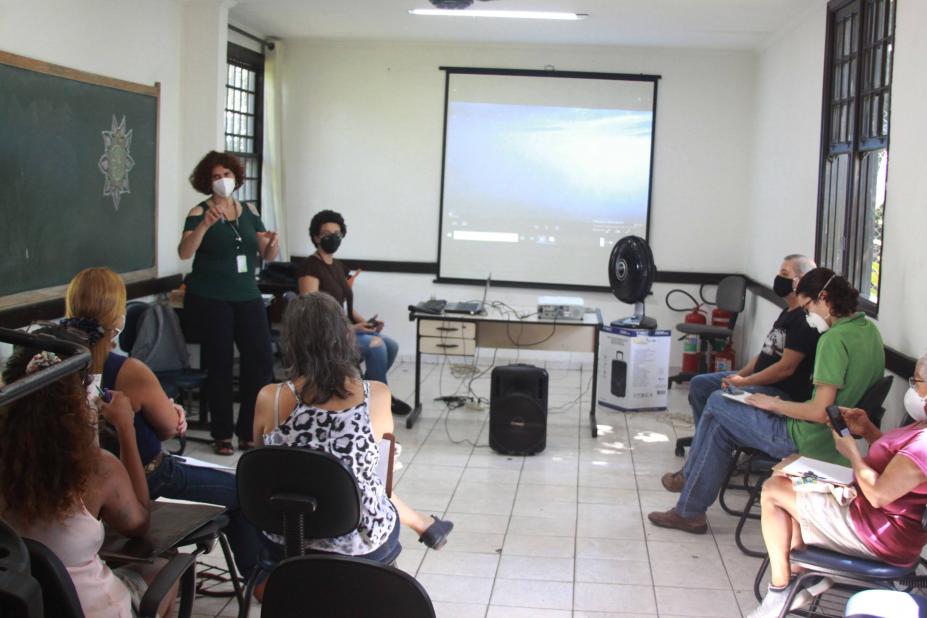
x: 561, y: 308
x: 451, y: 4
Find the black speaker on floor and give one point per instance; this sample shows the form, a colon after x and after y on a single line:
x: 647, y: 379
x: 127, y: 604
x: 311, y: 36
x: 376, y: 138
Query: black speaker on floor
x: 518, y: 410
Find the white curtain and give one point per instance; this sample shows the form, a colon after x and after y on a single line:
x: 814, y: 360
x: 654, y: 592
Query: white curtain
x: 274, y: 210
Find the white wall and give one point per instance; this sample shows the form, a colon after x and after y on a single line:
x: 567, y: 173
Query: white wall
x: 785, y: 174
x: 364, y: 130
x: 143, y: 42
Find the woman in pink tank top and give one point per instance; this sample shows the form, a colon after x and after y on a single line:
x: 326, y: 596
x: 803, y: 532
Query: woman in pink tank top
x: 56, y: 483
x: 883, y: 521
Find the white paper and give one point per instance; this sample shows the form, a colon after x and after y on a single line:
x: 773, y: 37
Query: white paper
x: 740, y: 397
x: 201, y: 463
x: 831, y: 473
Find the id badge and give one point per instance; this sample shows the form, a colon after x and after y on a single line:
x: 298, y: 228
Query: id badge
x: 242, y: 263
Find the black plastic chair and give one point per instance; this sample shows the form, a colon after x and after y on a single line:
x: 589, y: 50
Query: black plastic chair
x: 299, y: 494
x: 849, y: 573
x: 342, y: 586
x: 20, y: 593
x: 182, y: 384
x: 757, y: 464
x: 61, y: 601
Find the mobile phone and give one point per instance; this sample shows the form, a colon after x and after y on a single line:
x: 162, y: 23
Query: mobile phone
x: 105, y: 395
x: 836, y: 420
x: 373, y: 321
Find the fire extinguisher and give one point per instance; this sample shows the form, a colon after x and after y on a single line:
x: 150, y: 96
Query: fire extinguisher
x: 723, y: 360
x: 691, y: 343
x: 721, y: 318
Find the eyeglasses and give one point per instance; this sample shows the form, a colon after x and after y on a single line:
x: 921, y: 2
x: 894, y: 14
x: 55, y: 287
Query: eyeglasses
x: 912, y: 381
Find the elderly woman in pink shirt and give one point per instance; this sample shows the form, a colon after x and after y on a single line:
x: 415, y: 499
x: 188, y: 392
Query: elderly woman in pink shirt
x: 883, y: 522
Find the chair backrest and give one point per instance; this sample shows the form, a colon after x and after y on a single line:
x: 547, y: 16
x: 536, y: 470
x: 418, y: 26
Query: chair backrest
x: 58, y: 593
x: 342, y: 586
x: 731, y: 294
x: 20, y: 593
x: 873, y: 398
x: 298, y: 493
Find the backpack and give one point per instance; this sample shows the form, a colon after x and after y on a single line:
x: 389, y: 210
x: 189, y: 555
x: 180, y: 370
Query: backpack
x: 159, y: 340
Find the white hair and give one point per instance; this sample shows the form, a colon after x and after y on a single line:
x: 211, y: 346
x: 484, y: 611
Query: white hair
x: 801, y: 263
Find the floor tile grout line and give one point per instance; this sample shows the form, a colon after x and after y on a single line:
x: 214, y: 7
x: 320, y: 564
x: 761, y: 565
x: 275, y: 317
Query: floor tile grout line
x: 653, y: 587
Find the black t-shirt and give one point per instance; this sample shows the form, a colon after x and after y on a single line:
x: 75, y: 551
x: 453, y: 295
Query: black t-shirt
x: 791, y: 331
x: 333, y: 279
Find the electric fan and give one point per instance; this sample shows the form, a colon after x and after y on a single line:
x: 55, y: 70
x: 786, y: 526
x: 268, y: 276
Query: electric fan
x: 630, y: 275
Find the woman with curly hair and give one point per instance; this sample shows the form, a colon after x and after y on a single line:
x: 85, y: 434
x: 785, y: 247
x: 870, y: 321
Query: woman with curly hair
x: 56, y: 484
x: 96, y: 304
x: 223, y: 305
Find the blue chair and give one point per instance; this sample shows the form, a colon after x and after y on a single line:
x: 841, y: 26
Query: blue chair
x: 849, y: 573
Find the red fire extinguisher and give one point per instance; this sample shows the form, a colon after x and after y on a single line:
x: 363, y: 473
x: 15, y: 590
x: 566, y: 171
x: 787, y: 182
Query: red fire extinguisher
x: 690, y: 345
x: 723, y: 360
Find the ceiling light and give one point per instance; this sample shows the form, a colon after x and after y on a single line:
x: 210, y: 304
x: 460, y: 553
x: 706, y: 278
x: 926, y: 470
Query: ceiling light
x: 504, y: 14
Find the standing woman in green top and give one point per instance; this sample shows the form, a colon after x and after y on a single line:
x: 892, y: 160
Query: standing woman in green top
x: 222, y: 303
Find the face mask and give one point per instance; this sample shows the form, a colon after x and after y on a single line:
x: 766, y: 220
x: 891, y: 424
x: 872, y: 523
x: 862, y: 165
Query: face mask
x: 782, y: 286
x: 330, y: 243
x: 914, y: 405
x: 817, y: 322
x: 223, y: 187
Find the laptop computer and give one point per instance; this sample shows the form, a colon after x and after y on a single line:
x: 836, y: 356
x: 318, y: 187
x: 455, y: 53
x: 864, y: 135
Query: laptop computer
x: 470, y: 307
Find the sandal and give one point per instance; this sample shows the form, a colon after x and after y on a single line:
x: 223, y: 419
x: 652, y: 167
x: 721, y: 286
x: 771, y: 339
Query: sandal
x: 435, y: 536
x: 223, y: 447
x: 245, y: 445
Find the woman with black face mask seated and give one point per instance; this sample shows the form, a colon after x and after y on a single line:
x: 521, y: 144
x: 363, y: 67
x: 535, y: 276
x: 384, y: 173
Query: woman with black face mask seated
x: 323, y: 273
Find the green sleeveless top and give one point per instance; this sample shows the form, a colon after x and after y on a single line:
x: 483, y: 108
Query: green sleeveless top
x: 215, y: 265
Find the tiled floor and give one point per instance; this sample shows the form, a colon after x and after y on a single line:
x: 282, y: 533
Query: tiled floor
x: 562, y: 533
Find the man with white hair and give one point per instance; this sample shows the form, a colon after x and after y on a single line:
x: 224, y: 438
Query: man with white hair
x: 782, y: 368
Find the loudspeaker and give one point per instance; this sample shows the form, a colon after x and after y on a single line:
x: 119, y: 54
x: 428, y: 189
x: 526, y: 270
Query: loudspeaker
x: 518, y: 410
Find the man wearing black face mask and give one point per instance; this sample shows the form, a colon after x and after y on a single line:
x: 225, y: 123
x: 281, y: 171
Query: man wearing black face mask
x: 784, y: 365
x: 321, y: 272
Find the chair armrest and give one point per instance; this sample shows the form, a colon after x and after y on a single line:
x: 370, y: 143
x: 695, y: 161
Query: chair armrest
x: 179, y: 566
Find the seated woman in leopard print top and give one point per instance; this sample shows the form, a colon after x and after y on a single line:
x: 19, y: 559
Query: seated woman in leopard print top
x: 326, y: 406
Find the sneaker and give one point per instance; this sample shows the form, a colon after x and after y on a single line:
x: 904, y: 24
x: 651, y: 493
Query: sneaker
x: 774, y: 601
x: 400, y: 407
x: 673, y: 481
x: 697, y: 524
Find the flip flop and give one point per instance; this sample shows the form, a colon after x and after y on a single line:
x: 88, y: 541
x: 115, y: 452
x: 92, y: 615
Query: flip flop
x: 435, y: 536
x: 223, y: 447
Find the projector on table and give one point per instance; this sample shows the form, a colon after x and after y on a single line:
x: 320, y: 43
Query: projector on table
x: 561, y: 308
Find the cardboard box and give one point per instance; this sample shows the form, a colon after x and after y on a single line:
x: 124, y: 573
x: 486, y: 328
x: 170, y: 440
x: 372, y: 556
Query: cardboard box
x: 633, y: 369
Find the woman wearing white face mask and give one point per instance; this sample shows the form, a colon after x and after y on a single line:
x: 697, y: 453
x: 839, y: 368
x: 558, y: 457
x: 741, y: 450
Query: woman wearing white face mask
x: 883, y: 521
x: 850, y: 358
x: 222, y: 304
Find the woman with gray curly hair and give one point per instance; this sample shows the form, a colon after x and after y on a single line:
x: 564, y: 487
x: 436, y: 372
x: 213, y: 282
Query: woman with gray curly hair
x: 325, y: 405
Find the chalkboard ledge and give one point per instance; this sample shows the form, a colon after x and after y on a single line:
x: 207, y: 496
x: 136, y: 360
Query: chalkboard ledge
x: 23, y: 315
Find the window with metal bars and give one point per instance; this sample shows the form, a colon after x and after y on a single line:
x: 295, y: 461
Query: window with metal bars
x: 244, y: 118
x: 855, y: 136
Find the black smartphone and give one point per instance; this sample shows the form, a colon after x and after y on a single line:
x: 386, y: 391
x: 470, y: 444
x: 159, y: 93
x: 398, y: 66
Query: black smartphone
x: 836, y: 420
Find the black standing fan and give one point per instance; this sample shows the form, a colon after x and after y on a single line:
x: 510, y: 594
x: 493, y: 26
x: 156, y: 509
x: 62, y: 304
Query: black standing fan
x: 630, y: 275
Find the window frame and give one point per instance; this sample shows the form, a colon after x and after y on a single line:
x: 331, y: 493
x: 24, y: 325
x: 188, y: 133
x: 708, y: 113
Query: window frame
x: 238, y: 55
x: 859, y: 146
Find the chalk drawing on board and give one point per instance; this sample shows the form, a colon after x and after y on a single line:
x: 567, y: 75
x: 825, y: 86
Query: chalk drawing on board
x: 116, y: 162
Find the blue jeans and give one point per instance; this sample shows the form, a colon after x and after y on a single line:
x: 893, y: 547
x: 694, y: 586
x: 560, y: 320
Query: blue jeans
x: 174, y: 479
x: 724, y: 425
x: 701, y: 387
x: 378, y: 358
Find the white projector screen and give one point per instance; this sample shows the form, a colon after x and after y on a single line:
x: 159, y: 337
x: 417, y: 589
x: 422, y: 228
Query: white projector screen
x: 543, y: 173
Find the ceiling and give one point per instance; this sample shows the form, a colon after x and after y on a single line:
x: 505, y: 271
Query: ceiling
x: 719, y: 24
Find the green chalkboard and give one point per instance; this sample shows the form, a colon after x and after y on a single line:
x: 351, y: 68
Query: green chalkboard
x: 78, y: 177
